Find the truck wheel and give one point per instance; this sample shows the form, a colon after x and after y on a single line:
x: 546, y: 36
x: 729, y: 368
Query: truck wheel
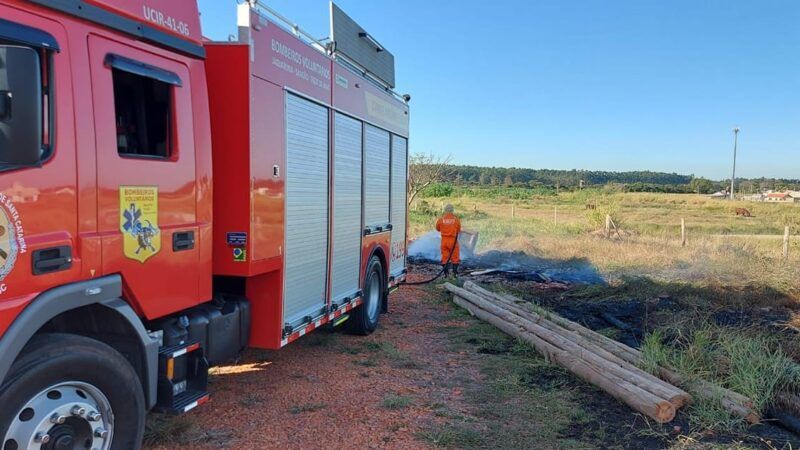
x: 68, y: 391
x: 364, y: 319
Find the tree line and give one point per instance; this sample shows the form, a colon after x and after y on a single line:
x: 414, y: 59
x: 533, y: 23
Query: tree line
x: 632, y: 181
x: 512, y: 176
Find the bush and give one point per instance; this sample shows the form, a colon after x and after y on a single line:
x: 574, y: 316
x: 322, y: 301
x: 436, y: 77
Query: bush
x: 597, y: 216
x: 438, y: 190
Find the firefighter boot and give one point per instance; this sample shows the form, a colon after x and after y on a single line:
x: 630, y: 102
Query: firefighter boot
x: 455, y: 270
x: 446, y: 270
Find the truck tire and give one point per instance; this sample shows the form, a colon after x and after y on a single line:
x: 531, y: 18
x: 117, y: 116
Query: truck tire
x: 364, y: 319
x: 70, y: 391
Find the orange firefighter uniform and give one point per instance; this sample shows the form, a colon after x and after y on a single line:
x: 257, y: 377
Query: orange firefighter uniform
x: 449, y: 226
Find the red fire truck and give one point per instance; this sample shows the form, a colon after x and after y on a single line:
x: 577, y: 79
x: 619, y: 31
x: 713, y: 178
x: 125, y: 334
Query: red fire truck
x: 167, y: 201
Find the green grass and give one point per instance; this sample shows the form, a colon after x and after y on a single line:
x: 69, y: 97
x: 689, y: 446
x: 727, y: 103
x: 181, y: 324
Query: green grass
x: 394, y: 401
x: 749, y: 362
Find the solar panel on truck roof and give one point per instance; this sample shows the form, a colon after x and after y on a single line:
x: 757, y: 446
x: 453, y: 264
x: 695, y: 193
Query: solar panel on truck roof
x: 360, y: 47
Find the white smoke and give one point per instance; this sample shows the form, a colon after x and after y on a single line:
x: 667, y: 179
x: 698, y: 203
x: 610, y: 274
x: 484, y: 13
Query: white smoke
x: 428, y: 247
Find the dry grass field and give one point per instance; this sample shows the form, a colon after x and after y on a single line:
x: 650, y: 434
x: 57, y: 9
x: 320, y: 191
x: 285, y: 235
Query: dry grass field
x: 722, y: 249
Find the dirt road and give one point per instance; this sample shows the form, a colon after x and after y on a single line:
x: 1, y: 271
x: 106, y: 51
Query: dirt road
x: 331, y: 390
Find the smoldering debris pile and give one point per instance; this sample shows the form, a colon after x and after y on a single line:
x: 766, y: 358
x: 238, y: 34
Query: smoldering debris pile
x: 499, y: 266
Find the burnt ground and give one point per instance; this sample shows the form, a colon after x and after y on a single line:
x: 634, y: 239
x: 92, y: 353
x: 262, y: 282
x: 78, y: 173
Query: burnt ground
x: 431, y: 376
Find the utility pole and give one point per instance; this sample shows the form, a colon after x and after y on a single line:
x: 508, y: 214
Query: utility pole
x: 735, y: 145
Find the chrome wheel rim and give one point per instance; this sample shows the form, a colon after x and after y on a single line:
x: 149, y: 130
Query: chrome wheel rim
x: 374, y: 298
x: 66, y: 416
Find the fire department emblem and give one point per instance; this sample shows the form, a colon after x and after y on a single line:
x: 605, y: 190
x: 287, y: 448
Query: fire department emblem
x: 138, y: 222
x: 9, y: 247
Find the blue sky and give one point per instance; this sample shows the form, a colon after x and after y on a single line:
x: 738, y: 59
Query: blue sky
x: 586, y: 84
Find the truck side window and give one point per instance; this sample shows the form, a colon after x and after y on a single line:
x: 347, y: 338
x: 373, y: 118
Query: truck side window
x: 143, y: 119
x: 26, y: 100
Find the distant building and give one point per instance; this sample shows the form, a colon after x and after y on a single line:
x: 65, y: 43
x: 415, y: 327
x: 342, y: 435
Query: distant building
x: 754, y: 198
x: 780, y: 197
x: 720, y: 194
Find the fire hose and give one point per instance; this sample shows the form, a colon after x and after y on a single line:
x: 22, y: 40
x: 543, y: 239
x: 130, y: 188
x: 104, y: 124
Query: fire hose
x: 441, y: 272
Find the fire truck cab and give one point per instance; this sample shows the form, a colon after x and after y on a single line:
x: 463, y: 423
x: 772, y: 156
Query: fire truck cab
x: 167, y: 201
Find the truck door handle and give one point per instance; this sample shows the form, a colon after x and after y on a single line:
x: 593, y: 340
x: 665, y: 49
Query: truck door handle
x: 183, y: 240
x: 51, y: 260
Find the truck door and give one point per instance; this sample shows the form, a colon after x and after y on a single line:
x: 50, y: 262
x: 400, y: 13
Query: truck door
x: 306, y: 258
x: 147, y: 192
x: 398, y: 204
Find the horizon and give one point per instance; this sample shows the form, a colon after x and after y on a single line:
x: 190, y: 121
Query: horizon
x: 619, y: 172
x: 565, y: 84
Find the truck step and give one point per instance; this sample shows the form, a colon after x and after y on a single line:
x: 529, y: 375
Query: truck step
x: 185, y: 402
x: 182, y: 378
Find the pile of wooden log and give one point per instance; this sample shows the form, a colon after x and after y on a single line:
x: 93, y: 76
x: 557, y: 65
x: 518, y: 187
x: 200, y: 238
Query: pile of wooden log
x: 601, y: 361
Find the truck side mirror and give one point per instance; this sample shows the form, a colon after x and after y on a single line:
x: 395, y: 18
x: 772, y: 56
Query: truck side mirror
x: 20, y: 106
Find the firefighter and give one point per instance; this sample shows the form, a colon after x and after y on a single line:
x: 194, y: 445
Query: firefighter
x: 449, y: 226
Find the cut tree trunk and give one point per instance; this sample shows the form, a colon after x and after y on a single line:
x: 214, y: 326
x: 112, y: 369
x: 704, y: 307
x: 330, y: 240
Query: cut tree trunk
x: 614, y: 368
x: 646, y: 403
x: 588, y: 344
x: 734, y: 402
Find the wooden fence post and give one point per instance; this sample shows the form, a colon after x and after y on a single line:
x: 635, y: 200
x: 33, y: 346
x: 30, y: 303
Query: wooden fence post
x: 786, y: 243
x: 475, y: 207
x: 608, y: 226
x: 683, y: 232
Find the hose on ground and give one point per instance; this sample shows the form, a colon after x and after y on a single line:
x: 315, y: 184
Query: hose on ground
x: 441, y: 272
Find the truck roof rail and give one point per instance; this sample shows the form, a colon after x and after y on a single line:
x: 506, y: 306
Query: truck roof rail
x: 323, y: 45
x: 260, y: 6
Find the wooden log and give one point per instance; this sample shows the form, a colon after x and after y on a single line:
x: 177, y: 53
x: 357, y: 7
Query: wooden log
x: 617, y: 369
x: 734, y: 402
x: 678, y: 397
x: 623, y: 351
x: 642, y: 401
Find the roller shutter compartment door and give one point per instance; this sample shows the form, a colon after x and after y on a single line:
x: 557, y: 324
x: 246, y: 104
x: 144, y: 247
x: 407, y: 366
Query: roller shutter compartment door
x: 346, y: 262
x: 306, y: 254
x: 376, y: 176
x: 399, y: 202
